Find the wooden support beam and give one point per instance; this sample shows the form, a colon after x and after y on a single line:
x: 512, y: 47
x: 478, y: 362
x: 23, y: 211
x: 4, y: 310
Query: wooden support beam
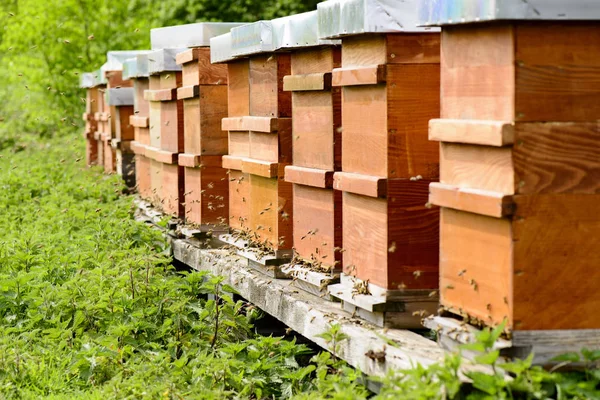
x: 195, y: 160
x: 309, y: 176
x: 489, y: 133
x: 138, y: 122
x: 188, y: 92
x: 261, y: 168
x: 160, y: 95
x: 162, y: 156
x: 484, y: 202
x: 232, y: 162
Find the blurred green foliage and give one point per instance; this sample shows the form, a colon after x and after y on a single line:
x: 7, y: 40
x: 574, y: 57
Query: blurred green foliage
x: 46, y: 44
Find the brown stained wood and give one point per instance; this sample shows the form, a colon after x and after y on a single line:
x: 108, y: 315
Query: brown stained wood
x: 170, y: 80
x: 194, y: 160
x: 202, y: 122
x: 123, y: 129
x: 232, y: 124
x: 263, y: 124
x: 413, y: 48
x: 156, y: 182
x: 557, y: 157
x: 188, y: 92
x: 172, y: 190
x: 271, y: 212
x: 155, y: 121
x: 142, y: 176
x: 491, y: 204
x: 91, y: 152
x: 115, y: 79
x: 307, y: 82
x: 413, y: 98
x: 355, y: 76
x: 206, y: 197
x: 261, y: 168
x: 317, y: 178
x: 366, y: 185
x: 488, y: 133
x: 232, y: 162
x: 478, y: 70
x: 160, y: 95
x: 477, y: 167
x: 138, y: 122
x: 140, y: 105
x: 267, y: 98
x: 557, y: 71
x: 273, y: 147
x: 364, y: 121
x: 315, y: 60
x: 162, y: 156
x: 361, y: 50
x: 197, y: 69
x: 413, y: 236
x: 315, y: 225
x: 171, y: 129
x: 239, y: 198
x: 365, y: 238
x: 315, y: 129
x: 239, y: 144
x: 238, y: 89
x: 555, y: 261
x: 476, y: 259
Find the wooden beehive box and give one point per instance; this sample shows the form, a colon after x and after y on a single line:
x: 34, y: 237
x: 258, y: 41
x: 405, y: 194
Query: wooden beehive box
x: 88, y: 82
x: 238, y: 143
x: 136, y: 70
x: 204, y: 96
x: 267, y: 134
x: 520, y: 168
x: 166, y: 131
x: 390, y: 90
x: 120, y: 100
x: 316, y: 153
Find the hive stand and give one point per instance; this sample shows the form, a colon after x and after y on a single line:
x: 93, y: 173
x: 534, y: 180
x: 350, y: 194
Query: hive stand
x: 88, y: 82
x: 316, y: 154
x: 261, y: 144
x: 136, y: 70
x: 166, y: 131
x: 390, y: 89
x: 204, y: 96
x: 520, y: 167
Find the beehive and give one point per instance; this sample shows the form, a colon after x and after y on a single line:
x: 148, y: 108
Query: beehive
x: 166, y: 131
x: 238, y: 144
x: 100, y: 116
x: 520, y: 162
x: 136, y: 69
x: 316, y: 151
x: 390, y: 89
x: 204, y: 96
x: 266, y: 132
x: 120, y: 100
x: 88, y: 82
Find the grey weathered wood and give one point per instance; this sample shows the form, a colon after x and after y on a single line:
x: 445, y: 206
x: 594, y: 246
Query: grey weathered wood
x: 311, y: 281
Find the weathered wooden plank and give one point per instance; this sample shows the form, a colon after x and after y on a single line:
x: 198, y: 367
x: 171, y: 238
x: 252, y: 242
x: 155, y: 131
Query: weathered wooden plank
x: 484, y: 202
x: 487, y: 133
x: 238, y: 89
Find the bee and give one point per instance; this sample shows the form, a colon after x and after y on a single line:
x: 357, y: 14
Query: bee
x: 66, y: 41
x: 462, y: 272
x: 91, y: 37
x: 392, y: 248
x: 417, y: 274
x: 433, y: 293
x: 449, y: 287
x: 474, y: 284
x: 11, y: 14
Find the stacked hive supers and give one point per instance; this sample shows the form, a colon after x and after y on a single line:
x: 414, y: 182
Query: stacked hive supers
x: 520, y: 164
x: 204, y: 96
x: 390, y: 89
x: 259, y: 139
x: 136, y: 69
x: 88, y: 82
x: 100, y: 116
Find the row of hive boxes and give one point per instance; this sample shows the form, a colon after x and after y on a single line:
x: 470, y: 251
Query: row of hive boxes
x: 282, y: 151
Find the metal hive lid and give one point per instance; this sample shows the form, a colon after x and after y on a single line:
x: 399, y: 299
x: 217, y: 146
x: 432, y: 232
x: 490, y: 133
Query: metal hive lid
x: 115, y: 59
x: 452, y: 12
x: 119, y: 97
x: 163, y: 60
x: 87, y: 80
x: 339, y: 18
x: 190, y: 35
x: 136, y: 67
x: 220, y: 48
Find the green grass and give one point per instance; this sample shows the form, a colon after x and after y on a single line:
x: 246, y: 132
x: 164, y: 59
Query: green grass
x: 90, y: 308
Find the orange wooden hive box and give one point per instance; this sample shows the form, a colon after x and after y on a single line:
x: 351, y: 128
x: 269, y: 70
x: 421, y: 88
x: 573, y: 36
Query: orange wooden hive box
x: 260, y: 144
x: 520, y: 165
x: 100, y: 116
x: 316, y: 154
x: 136, y: 70
x: 204, y: 96
x: 390, y: 89
x: 88, y: 82
x: 166, y: 131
